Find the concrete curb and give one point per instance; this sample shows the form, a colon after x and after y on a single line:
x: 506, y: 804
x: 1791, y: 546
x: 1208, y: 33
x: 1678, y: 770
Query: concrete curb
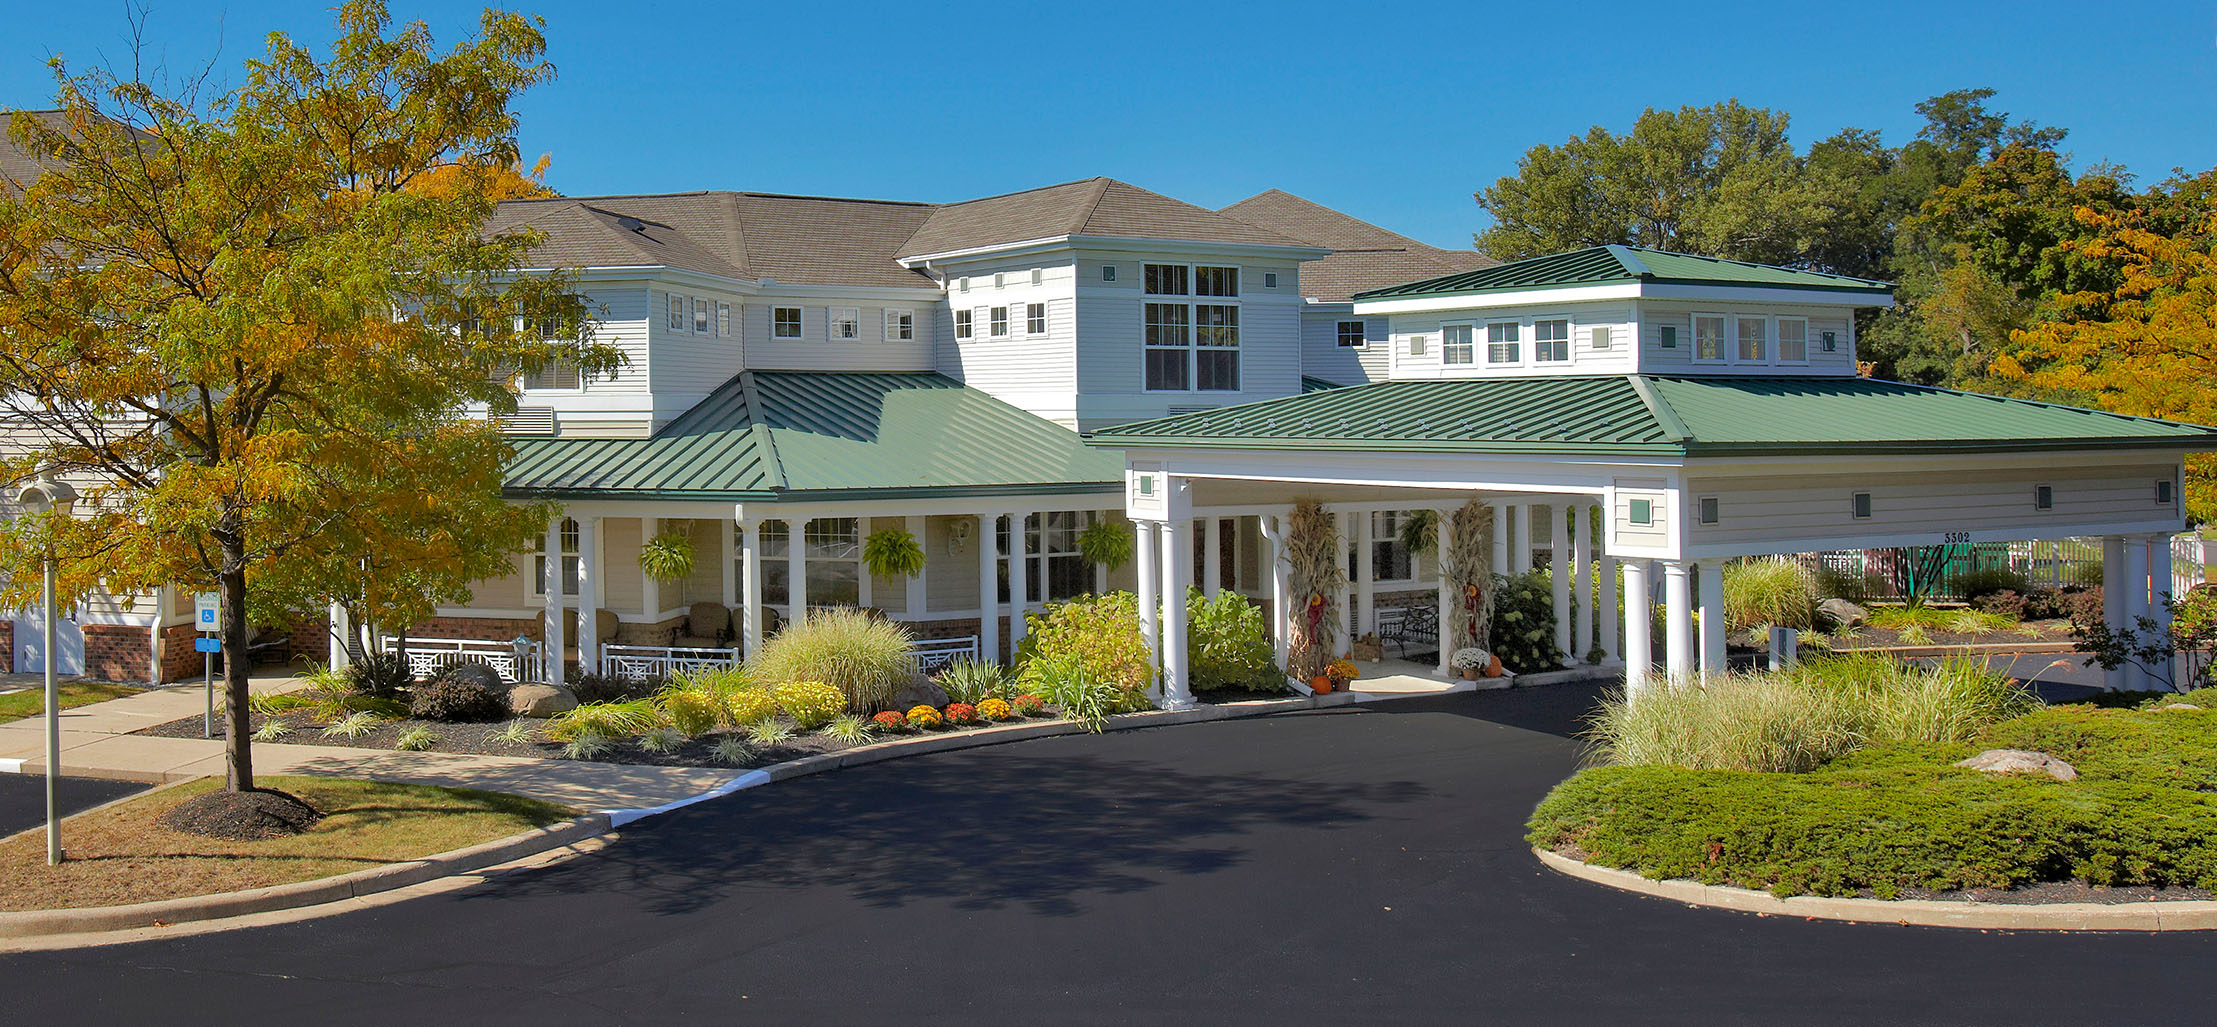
x: 37, y: 922
x: 2183, y: 915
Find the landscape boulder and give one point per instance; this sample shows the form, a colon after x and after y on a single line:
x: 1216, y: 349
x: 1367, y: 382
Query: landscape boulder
x: 920, y: 692
x: 480, y: 675
x: 1839, y: 613
x: 540, y: 700
x: 2020, y: 761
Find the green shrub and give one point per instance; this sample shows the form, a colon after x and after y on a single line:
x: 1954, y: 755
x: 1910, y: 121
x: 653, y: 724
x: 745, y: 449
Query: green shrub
x: 1068, y: 680
x: 1899, y: 816
x: 605, y: 720
x: 866, y: 658
x: 1985, y: 581
x: 1096, y: 634
x: 811, y: 704
x: 1227, y: 647
x: 383, y: 675
x: 749, y: 707
x: 1781, y: 593
x: 1524, y: 624
x: 766, y: 733
x: 693, y: 711
x: 974, y: 681
x: 453, y: 697
x: 1797, y: 720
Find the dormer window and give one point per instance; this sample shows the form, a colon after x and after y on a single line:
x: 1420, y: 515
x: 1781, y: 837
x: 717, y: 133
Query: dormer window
x: 1708, y: 336
x: 723, y: 320
x: 1754, y: 340
x: 785, y: 322
x: 1793, y: 340
x: 1458, y: 344
x: 1501, y: 343
x: 1551, y: 340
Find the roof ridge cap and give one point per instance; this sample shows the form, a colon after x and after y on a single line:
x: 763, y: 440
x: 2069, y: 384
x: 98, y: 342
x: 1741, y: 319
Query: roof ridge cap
x: 1091, y: 207
x: 1630, y: 260
x: 1665, y: 417
x: 759, y: 427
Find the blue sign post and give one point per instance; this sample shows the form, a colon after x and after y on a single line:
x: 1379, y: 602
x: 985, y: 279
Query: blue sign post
x: 207, y: 616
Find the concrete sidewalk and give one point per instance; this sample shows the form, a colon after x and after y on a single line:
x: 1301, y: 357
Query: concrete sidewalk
x: 97, y: 742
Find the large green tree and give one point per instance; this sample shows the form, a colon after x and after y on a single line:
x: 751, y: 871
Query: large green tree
x: 262, y: 353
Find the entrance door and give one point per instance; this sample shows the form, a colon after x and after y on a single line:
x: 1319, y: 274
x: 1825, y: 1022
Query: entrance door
x: 30, y: 644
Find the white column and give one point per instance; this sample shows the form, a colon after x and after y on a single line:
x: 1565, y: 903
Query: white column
x: 731, y: 569
x: 1639, y: 651
x: 1450, y: 604
x: 2159, y: 588
x: 1582, y: 583
x: 650, y: 590
x: 339, y: 629
x: 551, y: 629
x: 1560, y: 575
x: 1343, y: 603
x: 1501, y: 526
x: 1606, y: 578
x: 2136, y: 602
x: 1712, y: 619
x: 750, y: 586
x: 1678, y: 624
x: 1274, y: 539
x: 1100, y: 570
x: 1177, y: 691
x: 1212, y: 556
x: 588, y: 595
x: 1148, y: 555
x: 2113, y: 603
x: 916, y: 597
x: 1019, y: 574
x: 1366, y: 574
x: 1520, y: 547
x: 989, y: 588
x: 796, y: 569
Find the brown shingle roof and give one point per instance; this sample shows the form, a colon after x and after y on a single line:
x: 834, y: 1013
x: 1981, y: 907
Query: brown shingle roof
x: 801, y: 239
x: 1095, y: 206
x: 1364, y: 255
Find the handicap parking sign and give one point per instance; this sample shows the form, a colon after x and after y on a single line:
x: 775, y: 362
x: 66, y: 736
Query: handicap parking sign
x: 205, y: 611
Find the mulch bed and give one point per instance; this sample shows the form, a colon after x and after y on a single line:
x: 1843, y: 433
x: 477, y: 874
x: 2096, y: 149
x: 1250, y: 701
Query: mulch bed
x: 248, y: 816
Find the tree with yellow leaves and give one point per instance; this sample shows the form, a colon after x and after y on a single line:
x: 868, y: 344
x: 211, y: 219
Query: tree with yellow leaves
x: 2148, y: 346
x: 262, y: 353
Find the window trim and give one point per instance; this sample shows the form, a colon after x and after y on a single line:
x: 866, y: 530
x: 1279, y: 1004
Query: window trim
x: 800, y: 323
x: 1778, y: 339
x: 1639, y: 512
x: 723, y: 320
x: 1029, y: 331
x: 907, y: 324
x: 572, y: 553
x: 965, y: 325
x: 1446, y: 359
x: 704, y: 316
x: 1517, y: 353
x: 1736, y: 350
x: 2166, y: 492
x: 2043, y: 497
x: 1666, y: 336
x: 1570, y: 340
x: 835, y: 316
x: 1362, y: 335
x: 996, y: 322
x: 1192, y: 299
x: 675, y: 322
x: 1606, y: 336
x: 1724, y: 339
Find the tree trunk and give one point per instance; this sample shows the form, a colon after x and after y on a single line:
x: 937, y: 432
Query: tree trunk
x: 238, y: 755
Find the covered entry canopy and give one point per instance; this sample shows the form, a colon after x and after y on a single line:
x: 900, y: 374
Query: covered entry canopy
x: 1690, y: 470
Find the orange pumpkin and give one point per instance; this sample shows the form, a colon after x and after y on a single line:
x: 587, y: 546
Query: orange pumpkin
x: 1493, y: 667
x: 1320, y: 684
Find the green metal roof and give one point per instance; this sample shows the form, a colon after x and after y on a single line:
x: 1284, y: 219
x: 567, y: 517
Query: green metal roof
x: 769, y: 435
x: 1607, y: 265
x: 1640, y: 414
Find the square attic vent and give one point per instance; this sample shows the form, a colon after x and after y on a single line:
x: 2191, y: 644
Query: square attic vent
x: 529, y: 421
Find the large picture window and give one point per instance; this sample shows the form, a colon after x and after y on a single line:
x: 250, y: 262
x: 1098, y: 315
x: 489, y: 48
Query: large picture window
x: 834, y: 561
x: 1191, y: 347
x: 1216, y: 352
x: 569, y: 561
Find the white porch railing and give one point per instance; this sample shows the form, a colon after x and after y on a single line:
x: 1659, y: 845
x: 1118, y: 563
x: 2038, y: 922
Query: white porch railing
x: 428, y: 656
x: 641, y: 662
x: 936, y: 653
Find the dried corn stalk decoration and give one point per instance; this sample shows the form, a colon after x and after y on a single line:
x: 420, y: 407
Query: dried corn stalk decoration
x: 1315, y: 570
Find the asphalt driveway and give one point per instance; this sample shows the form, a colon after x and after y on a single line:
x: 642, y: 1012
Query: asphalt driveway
x: 1359, y: 866
x: 23, y: 798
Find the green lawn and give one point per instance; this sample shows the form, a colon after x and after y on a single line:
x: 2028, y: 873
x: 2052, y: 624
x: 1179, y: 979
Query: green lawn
x: 19, y: 705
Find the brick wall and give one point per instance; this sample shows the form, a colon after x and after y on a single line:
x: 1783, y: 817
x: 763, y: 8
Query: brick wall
x: 179, y: 661
x: 7, y: 646
x: 492, y: 629
x: 117, y: 652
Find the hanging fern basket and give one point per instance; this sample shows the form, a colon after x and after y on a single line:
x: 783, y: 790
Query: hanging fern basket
x: 893, y: 553
x: 1107, y: 543
x: 667, y: 557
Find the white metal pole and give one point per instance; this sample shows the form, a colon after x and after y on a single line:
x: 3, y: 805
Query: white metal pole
x: 53, y: 729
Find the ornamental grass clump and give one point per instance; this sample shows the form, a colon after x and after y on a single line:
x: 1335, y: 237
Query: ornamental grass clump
x: 865, y: 657
x: 1779, y: 593
x: 973, y: 681
x: 606, y: 720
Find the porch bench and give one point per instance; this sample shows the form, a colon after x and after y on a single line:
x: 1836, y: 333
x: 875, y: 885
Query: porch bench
x: 936, y: 653
x: 1409, y: 624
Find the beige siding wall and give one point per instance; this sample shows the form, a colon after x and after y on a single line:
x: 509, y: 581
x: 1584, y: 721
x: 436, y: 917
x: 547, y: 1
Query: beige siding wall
x: 621, y: 581
x: 1655, y: 535
x: 950, y: 579
x: 1992, y: 505
x: 1584, y: 318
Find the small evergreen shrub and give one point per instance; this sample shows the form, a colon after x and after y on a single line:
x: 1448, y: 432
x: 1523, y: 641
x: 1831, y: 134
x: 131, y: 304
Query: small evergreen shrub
x: 693, y: 711
x: 811, y: 704
x: 454, y: 697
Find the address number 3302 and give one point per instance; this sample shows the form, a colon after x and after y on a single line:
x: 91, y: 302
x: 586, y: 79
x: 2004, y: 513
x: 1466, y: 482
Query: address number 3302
x: 1953, y: 537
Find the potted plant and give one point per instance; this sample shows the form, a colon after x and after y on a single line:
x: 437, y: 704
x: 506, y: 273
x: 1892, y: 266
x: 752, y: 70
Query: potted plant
x: 1342, y: 671
x: 1472, y: 661
x: 1107, y: 543
x: 893, y: 553
x: 667, y: 557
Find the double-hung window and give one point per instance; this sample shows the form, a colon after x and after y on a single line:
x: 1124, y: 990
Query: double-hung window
x: 1551, y: 340
x: 1390, y: 559
x: 1501, y: 342
x: 569, y: 561
x: 676, y: 322
x: 1053, y: 568
x: 1458, y: 344
x: 900, y: 325
x: 1191, y: 346
x: 1708, y: 336
x: 963, y: 323
x: 785, y: 322
x: 1035, y: 319
x: 557, y: 373
x: 844, y: 323
x: 998, y: 322
x: 833, y: 559
x: 1754, y: 339
x: 1351, y: 335
x: 704, y: 313
x: 1793, y: 340
x: 723, y: 320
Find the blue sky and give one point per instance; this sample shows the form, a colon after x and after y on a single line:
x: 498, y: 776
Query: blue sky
x: 1393, y: 112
